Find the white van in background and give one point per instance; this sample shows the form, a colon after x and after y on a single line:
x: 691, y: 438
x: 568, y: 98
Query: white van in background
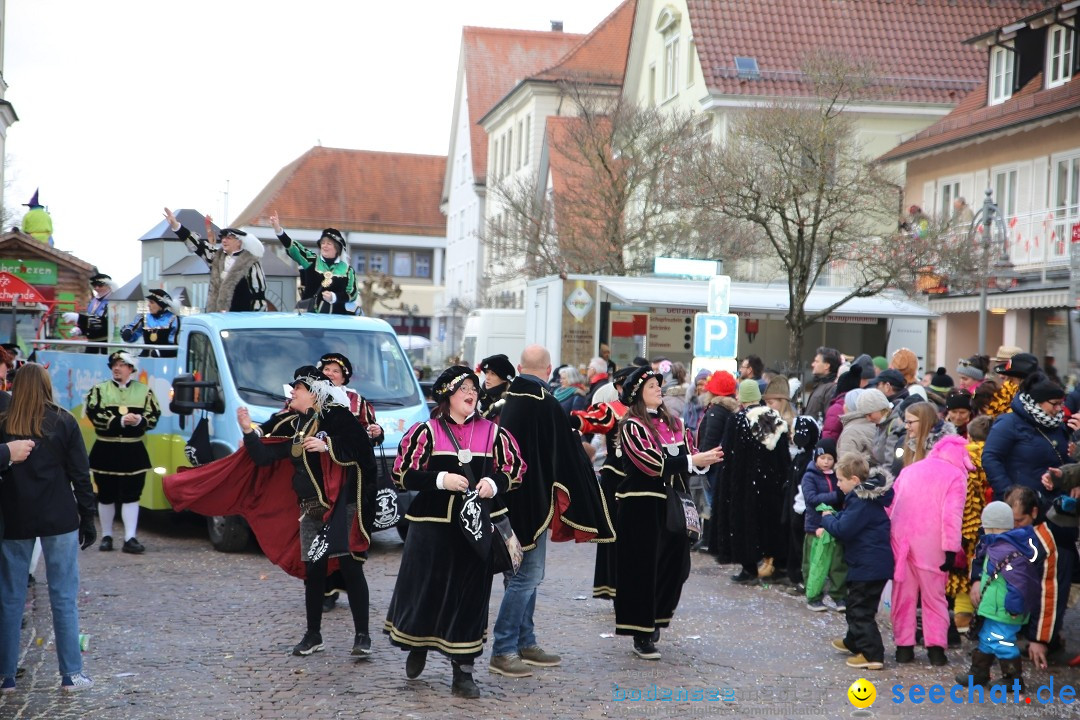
x: 492, y: 331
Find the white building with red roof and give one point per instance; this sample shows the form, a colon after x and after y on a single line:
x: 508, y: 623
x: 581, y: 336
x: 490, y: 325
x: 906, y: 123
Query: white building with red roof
x: 1018, y: 134
x: 722, y: 57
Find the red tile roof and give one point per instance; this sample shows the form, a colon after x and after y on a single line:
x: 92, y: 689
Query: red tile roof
x: 359, y: 190
x: 972, y: 118
x: 601, y: 56
x: 496, y: 60
x: 916, y: 45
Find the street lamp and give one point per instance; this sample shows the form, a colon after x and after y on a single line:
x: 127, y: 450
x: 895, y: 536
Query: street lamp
x: 453, y: 306
x: 1000, y: 271
x: 410, y: 311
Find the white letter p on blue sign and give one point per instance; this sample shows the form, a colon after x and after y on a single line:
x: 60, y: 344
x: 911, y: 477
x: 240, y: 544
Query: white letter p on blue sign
x: 716, y: 336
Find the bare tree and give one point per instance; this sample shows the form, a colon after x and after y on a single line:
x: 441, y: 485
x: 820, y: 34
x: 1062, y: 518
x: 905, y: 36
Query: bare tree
x: 793, y: 174
x: 376, y: 288
x: 612, y: 205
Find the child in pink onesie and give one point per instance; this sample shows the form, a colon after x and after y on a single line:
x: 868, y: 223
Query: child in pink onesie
x: 926, y: 518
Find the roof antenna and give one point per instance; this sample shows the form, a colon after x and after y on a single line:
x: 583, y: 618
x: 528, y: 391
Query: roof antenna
x: 556, y: 26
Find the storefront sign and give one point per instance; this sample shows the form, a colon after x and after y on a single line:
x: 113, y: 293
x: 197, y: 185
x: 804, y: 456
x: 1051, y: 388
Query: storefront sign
x: 12, y: 287
x: 35, y: 272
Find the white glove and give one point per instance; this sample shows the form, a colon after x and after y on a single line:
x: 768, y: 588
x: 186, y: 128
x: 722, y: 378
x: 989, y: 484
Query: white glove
x: 75, y: 332
x: 70, y: 317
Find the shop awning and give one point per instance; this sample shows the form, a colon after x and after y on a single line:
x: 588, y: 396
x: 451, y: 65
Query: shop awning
x: 1030, y: 300
x: 756, y: 299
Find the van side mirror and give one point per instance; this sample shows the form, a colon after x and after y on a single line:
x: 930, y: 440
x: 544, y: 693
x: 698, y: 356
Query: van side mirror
x: 189, y: 395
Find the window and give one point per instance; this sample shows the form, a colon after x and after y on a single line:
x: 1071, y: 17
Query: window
x: 528, y: 138
x: 1066, y: 198
x: 378, y: 262
x: 360, y: 264
x: 691, y: 61
x: 382, y: 374
x: 950, y: 190
x: 520, y: 150
x: 202, y: 363
x: 671, y: 65
x: 402, y: 264
x: 746, y: 67
x: 508, y: 154
x: 1005, y: 192
x: 1060, y: 56
x: 1002, y: 62
x: 423, y: 266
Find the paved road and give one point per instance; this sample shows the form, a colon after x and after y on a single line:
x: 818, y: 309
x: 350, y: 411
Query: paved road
x: 186, y: 632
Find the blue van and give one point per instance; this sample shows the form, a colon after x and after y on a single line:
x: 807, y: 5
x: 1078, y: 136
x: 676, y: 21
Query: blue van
x: 228, y: 360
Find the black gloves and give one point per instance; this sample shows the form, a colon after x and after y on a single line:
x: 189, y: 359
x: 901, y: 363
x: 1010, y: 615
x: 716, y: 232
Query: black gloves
x: 87, y: 531
x: 950, y: 561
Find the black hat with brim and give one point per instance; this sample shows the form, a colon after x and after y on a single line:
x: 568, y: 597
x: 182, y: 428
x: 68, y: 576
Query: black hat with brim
x: 1019, y: 365
x: 633, y: 385
x: 451, y: 380
x: 500, y: 365
x: 332, y: 357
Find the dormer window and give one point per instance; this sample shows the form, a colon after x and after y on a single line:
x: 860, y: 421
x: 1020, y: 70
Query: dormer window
x: 1059, y: 55
x: 667, y: 24
x: 1002, y: 69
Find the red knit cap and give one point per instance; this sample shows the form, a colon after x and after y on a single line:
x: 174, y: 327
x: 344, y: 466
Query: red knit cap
x: 721, y: 384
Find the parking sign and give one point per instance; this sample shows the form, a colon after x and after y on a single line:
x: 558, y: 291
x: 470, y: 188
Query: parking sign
x: 716, y: 336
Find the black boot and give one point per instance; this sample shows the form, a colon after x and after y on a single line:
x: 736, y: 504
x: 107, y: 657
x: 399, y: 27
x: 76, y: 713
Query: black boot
x: 463, y: 685
x: 414, y: 664
x: 937, y: 655
x: 953, y: 635
x: 905, y: 654
x: 980, y: 669
x: 1012, y: 670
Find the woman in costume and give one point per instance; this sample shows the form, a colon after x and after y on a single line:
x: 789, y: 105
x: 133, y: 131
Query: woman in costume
x: 602, y: 418
x: 326, y: 277
x: 337, y: 368
x: 653, y: 562
x: 331, y: 461
x: 454, y: 460
x: 160, y: 326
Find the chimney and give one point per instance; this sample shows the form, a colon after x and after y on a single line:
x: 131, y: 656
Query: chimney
x: 556, y: 26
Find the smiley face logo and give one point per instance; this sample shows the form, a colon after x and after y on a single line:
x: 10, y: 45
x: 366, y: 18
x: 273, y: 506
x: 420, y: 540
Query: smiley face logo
x: 862, y: 693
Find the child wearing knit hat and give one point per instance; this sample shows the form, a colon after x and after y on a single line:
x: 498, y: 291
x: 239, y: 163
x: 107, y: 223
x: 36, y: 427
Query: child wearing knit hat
x: 1008, y: 591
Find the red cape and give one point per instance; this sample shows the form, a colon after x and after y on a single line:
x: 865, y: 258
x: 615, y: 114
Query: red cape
x: 263, y: 496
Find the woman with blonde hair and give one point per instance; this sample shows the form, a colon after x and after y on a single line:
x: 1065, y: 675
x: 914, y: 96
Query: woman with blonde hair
x: 45, y: 494
x: 923, y: 429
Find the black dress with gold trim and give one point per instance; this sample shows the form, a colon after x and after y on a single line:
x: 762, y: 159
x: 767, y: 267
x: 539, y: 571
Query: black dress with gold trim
x: 443, y: 587
x: 603, y: 419
x: 653, y: 562
x: 339, y: 475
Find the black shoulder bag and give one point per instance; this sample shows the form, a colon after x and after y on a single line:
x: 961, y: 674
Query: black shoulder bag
x: 475, y: 522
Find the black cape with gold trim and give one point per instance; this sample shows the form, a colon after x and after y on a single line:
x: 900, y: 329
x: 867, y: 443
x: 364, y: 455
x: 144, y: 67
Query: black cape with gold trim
x: 559, y: 488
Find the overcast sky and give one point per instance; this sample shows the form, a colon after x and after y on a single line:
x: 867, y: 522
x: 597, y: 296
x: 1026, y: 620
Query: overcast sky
x: 128, y: 106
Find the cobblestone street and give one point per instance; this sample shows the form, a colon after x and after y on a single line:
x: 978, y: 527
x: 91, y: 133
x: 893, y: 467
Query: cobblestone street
x: 186, y: 632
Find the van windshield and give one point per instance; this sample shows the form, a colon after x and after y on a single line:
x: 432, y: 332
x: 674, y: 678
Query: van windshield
x: 262, y: 361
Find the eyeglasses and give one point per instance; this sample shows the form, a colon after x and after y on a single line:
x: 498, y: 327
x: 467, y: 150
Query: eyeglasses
x: 468, y: 390
x: 911, y: 422
x: 1056, y: 403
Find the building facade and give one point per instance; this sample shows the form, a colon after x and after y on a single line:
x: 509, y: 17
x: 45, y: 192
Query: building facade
x: 387, y: 207
x: 1016, y: 134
